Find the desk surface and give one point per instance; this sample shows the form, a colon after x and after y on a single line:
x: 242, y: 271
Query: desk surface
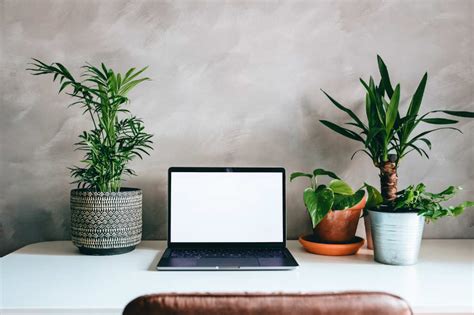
x: 53, y: 278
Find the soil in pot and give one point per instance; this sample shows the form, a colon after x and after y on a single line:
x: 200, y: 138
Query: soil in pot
x: 339, y: 226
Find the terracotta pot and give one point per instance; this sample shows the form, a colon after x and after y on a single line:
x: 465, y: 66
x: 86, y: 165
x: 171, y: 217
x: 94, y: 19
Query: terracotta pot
x: 339, y: 226
x: 368, y: 232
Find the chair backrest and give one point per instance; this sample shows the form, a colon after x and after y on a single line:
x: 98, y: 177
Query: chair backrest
x: 354, y: 303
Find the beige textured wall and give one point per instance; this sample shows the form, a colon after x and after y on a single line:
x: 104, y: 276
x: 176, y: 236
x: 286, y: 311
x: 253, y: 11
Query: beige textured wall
x: 234, y: 83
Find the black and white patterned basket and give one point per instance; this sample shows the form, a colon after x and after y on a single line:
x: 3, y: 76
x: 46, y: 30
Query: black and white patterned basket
x: 106, y: 223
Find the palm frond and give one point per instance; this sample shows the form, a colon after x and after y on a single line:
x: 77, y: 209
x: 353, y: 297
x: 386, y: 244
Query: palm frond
x: 114, y: 141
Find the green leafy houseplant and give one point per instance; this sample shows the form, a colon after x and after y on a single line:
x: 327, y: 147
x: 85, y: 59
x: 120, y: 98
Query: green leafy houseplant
x: 114, y: 141
x: 106, y: 219
x: 388, y: 135
x: 397, y: 228
x: 428, y: 205
x: 319, y: 199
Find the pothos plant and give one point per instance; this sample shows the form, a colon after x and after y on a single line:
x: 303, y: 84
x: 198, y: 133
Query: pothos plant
x: 319, y: 199
x: 117, y: 136
x: 427, y: 204
x: 387, y: 135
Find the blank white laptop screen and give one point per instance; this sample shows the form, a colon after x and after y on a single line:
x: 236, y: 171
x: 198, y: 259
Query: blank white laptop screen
x: 221, y: 207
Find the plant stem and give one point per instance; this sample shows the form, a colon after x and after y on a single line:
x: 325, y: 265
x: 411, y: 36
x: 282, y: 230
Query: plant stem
x: 388, y: 181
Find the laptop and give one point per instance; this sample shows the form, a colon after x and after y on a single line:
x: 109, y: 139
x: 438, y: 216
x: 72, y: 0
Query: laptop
x: 226, y: 218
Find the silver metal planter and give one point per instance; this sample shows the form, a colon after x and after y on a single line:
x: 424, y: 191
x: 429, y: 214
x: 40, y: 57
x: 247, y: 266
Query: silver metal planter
x: 106, y: 223
x: 396, y: 237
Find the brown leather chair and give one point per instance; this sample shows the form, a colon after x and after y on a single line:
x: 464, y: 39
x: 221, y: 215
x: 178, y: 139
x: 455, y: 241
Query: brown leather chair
x: 352, y: 303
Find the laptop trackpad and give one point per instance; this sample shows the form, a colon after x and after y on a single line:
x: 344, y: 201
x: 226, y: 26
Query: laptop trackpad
x: 228, y: 262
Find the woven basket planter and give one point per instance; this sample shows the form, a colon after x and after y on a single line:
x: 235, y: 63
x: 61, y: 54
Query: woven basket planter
x: 106, y: 223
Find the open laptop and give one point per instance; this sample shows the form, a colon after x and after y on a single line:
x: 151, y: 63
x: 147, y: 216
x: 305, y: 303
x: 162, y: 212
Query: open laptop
x: 226, y: 218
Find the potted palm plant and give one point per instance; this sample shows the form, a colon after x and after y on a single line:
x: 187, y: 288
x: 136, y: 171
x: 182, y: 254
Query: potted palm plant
x: 106, y: 218
x: 334, y: 210
x: 387, y: 137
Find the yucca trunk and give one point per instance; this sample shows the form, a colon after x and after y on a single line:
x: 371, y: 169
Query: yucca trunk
x: 388, y: 181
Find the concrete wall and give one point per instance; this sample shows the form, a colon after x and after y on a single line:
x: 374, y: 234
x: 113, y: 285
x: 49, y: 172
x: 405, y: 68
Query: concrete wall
x: 234, y: 83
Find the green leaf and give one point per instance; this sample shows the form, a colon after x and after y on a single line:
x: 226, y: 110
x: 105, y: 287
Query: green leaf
x: 392, y: 110
x: 412, y: 113
x: 406, y: 197
x: 65, y: 72
x: 97, y: 73
x: 129, y: 76
x: 420, y: 150
x: 318, y: 203
x: 340, y: 187
x: 299, y: 174
x: 342, y: 202
x: 130, y: 85
x: 343, y: 131
x: 439, y: 121
x: 358, y: 122
x: 459, y: 209
x: 105, y: 70
x: 364, y: 151
x: 64, y: 85
x: 377, y: 99
x: 417, y: 97
x: 429, y: 204
x: 457, y: 113
x: 385, y: 78
x: 374, y: 197
x: 445, y: 194
x: 374, y: 108
x: 428, y: 142
x: 430, y: 131
x: 320, y: 171
x: 113, y: 142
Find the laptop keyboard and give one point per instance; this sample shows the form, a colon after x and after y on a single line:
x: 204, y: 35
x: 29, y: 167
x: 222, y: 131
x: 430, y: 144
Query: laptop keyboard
x: 227, y: 253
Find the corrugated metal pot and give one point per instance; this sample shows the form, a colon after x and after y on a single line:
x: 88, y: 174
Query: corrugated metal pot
x: 396, y: 236
x: 106, y: 223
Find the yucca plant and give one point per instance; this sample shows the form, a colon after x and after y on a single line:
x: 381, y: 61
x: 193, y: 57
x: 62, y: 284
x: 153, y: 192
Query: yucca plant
x: 114, y: 141
x: 387, y: 135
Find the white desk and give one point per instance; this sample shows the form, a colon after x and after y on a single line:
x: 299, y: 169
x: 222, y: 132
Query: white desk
x: 53, y: 278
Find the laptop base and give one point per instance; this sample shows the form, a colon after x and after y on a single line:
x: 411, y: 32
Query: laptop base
x: 202, y: 259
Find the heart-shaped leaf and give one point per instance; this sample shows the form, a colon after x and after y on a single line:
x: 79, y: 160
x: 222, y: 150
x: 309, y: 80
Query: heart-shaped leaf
x: 320, y: 171
x: 340, y: 187
x: 342, y: 202
x: 374, y: 197
x: 318, y: 203
x: 299, y: 174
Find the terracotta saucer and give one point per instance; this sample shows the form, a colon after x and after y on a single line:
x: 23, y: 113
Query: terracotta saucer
x: 313, y: 246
